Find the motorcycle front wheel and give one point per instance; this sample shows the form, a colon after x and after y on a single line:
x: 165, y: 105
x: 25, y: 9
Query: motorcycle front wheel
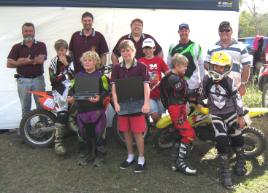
x: 120, y: 136
x: 254, y: 142
x: 37, y: 128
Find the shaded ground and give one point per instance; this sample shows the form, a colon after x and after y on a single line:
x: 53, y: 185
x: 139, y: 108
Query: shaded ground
x: 28, y: 170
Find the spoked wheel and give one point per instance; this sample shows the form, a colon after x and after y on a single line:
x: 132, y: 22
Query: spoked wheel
x: 255, y: 142
x: 164, y: 138
x: 38, y: 128
x: 120, y: 136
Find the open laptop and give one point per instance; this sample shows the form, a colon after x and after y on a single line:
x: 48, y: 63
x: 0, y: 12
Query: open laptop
x: 86, y: 86
x: 130, y: 95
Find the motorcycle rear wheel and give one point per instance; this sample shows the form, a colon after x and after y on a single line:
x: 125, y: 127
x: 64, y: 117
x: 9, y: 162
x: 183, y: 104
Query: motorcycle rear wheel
x: 163, y: 138
x: 255, y: 142
x: 32, y: 128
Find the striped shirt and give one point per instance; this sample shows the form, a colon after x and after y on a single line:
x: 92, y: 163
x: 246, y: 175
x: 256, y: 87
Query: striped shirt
x: 239, y: 54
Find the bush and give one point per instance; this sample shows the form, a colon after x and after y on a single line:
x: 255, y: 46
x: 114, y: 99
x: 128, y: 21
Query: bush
x: 253, y: 97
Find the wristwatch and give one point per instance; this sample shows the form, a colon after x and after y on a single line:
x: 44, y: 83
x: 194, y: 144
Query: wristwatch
x: 244, y: 82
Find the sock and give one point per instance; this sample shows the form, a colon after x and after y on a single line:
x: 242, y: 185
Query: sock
x: 141, y: 160
x: 130, y: 157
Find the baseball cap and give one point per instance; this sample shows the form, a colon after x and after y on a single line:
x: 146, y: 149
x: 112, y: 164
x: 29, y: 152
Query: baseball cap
x: 148, y: 42
x: 183, y: 25
x: 225, y: 25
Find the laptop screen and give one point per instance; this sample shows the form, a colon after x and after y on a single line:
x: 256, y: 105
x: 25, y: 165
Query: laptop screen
x: 86, y: 84
x: 129, y: 89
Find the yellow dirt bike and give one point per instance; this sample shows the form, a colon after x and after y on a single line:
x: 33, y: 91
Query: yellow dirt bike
x: 255, y: 141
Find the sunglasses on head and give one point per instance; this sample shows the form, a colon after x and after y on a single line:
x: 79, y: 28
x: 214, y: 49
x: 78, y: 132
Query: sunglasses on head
x: 225, y: 30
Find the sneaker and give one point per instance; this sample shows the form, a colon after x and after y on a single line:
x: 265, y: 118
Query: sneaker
x: 98, y: 161
x: 139, y: 168
x: 126, y: 164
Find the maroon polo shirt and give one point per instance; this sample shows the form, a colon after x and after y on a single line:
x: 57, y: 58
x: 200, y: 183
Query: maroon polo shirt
x: 137, y: 69
x: 20, y: 50
x: 80, y: 43
x: 138, y: 45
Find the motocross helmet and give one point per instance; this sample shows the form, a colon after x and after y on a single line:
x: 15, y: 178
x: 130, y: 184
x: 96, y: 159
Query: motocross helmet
x: 220, y: 59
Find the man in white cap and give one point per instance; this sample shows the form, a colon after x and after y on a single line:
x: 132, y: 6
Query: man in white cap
x: 156, y: 66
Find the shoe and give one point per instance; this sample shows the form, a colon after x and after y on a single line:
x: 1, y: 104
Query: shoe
x: 98, y: 161
x: 139, y: 168
x: 225, y: 173
x: 60, y: 149
x: 126, y: 164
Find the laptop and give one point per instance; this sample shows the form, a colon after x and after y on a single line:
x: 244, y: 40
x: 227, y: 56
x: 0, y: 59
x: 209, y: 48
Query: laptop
x: 86, y: 86
x: 130, y: 95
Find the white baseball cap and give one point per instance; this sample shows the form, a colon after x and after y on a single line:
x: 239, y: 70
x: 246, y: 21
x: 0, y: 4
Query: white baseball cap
x: 148, y: 42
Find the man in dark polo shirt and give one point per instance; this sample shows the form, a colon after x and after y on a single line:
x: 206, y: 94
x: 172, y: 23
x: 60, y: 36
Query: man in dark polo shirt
x: 28, y: 58
x: 87, y: 40
x: 137, y: 37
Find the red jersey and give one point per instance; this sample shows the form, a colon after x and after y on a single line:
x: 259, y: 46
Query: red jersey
x: 155, y: 67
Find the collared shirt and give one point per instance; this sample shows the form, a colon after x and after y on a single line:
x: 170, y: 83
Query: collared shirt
x: 80, y: 43
x: 138, y: 45
x: 239, y: 54
x: 20, y: 50
x: 137, y: 69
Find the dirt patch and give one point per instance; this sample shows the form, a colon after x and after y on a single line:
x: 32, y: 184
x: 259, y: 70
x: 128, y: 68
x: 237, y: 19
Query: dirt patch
x: 32, y: 170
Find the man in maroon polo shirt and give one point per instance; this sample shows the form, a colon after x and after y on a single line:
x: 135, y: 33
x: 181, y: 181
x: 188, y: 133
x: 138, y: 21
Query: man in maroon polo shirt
x: 137, y: 37
x: 87, y: 40
x: 28, y: 58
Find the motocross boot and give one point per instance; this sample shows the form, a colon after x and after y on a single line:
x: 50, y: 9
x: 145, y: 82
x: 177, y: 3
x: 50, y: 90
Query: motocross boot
x: 59, y: 146
x: 239, y: 168
x: 174, y: 156
x: 182, y: 163
x: 225, y: 173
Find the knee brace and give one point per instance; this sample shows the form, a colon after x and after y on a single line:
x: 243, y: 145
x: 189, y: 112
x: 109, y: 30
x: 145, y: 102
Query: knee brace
x: 237, y: 141
x: 223, y: 144
x: 62, y: 117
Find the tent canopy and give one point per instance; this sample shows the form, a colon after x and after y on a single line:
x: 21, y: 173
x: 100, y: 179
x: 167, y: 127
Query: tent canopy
x: 227, y: 5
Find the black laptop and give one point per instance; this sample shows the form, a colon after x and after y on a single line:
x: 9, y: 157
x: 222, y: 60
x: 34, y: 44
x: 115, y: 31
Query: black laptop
x: 130, y: 95
x: 86, y: 86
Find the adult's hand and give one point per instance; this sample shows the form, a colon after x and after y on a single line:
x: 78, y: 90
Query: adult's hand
x: 242, y: 89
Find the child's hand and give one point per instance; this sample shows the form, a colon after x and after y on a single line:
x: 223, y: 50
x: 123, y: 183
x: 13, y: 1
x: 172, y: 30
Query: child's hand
x: 145, y: 108
x: 94, y: 99
x: 199, y: 106
x: 63, y: 59
x: 241, y: 122
x: 70, y: 99
x: 116, y: 107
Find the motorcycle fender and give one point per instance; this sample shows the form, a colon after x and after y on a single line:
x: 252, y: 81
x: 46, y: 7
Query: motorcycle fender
x: 163, y: 122
x: 256, y: 112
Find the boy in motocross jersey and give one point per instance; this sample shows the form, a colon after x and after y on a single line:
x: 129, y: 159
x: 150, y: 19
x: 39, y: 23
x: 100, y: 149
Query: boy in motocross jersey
x: 60, y: 69
x: 91, y: 117
x: 155, y: 66
x: 226, y: 110
x: 174, y: 88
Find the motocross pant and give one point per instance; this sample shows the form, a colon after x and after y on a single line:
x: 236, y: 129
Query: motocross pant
x: 92, y: 128
x: 179, y: 119
x: 227, y: 132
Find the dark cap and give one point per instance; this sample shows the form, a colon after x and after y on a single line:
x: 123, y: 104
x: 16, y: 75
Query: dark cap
x: 183, y: 25
x: 225, y: 25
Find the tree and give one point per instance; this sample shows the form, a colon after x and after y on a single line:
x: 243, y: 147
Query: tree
x: 251, y: 21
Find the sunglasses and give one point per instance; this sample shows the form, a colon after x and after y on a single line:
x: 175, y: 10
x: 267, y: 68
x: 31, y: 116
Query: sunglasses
x: 225, y: 30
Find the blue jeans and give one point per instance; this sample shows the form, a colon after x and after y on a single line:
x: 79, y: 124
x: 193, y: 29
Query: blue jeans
x: 29, y: 84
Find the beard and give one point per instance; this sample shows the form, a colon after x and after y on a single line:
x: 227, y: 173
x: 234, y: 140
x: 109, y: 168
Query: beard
x: 28, y: 38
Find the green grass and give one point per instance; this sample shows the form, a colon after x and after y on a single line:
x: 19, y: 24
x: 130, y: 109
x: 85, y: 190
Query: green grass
x: 253, y: 97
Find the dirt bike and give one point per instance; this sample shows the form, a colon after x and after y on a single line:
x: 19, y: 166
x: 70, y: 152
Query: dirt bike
x: 37, y: 128
x: 255, y: 141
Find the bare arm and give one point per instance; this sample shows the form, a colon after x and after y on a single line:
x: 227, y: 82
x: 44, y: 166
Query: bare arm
x: 114, y: 97
x: 19, y: 62
x: 39, y: 59
x: 146, y: 106
x: 103, y: 59
x: 244, y: 78
x: 114, y: 59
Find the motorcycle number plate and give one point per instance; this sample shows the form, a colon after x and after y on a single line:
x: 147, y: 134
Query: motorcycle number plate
x: 49, y: 103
